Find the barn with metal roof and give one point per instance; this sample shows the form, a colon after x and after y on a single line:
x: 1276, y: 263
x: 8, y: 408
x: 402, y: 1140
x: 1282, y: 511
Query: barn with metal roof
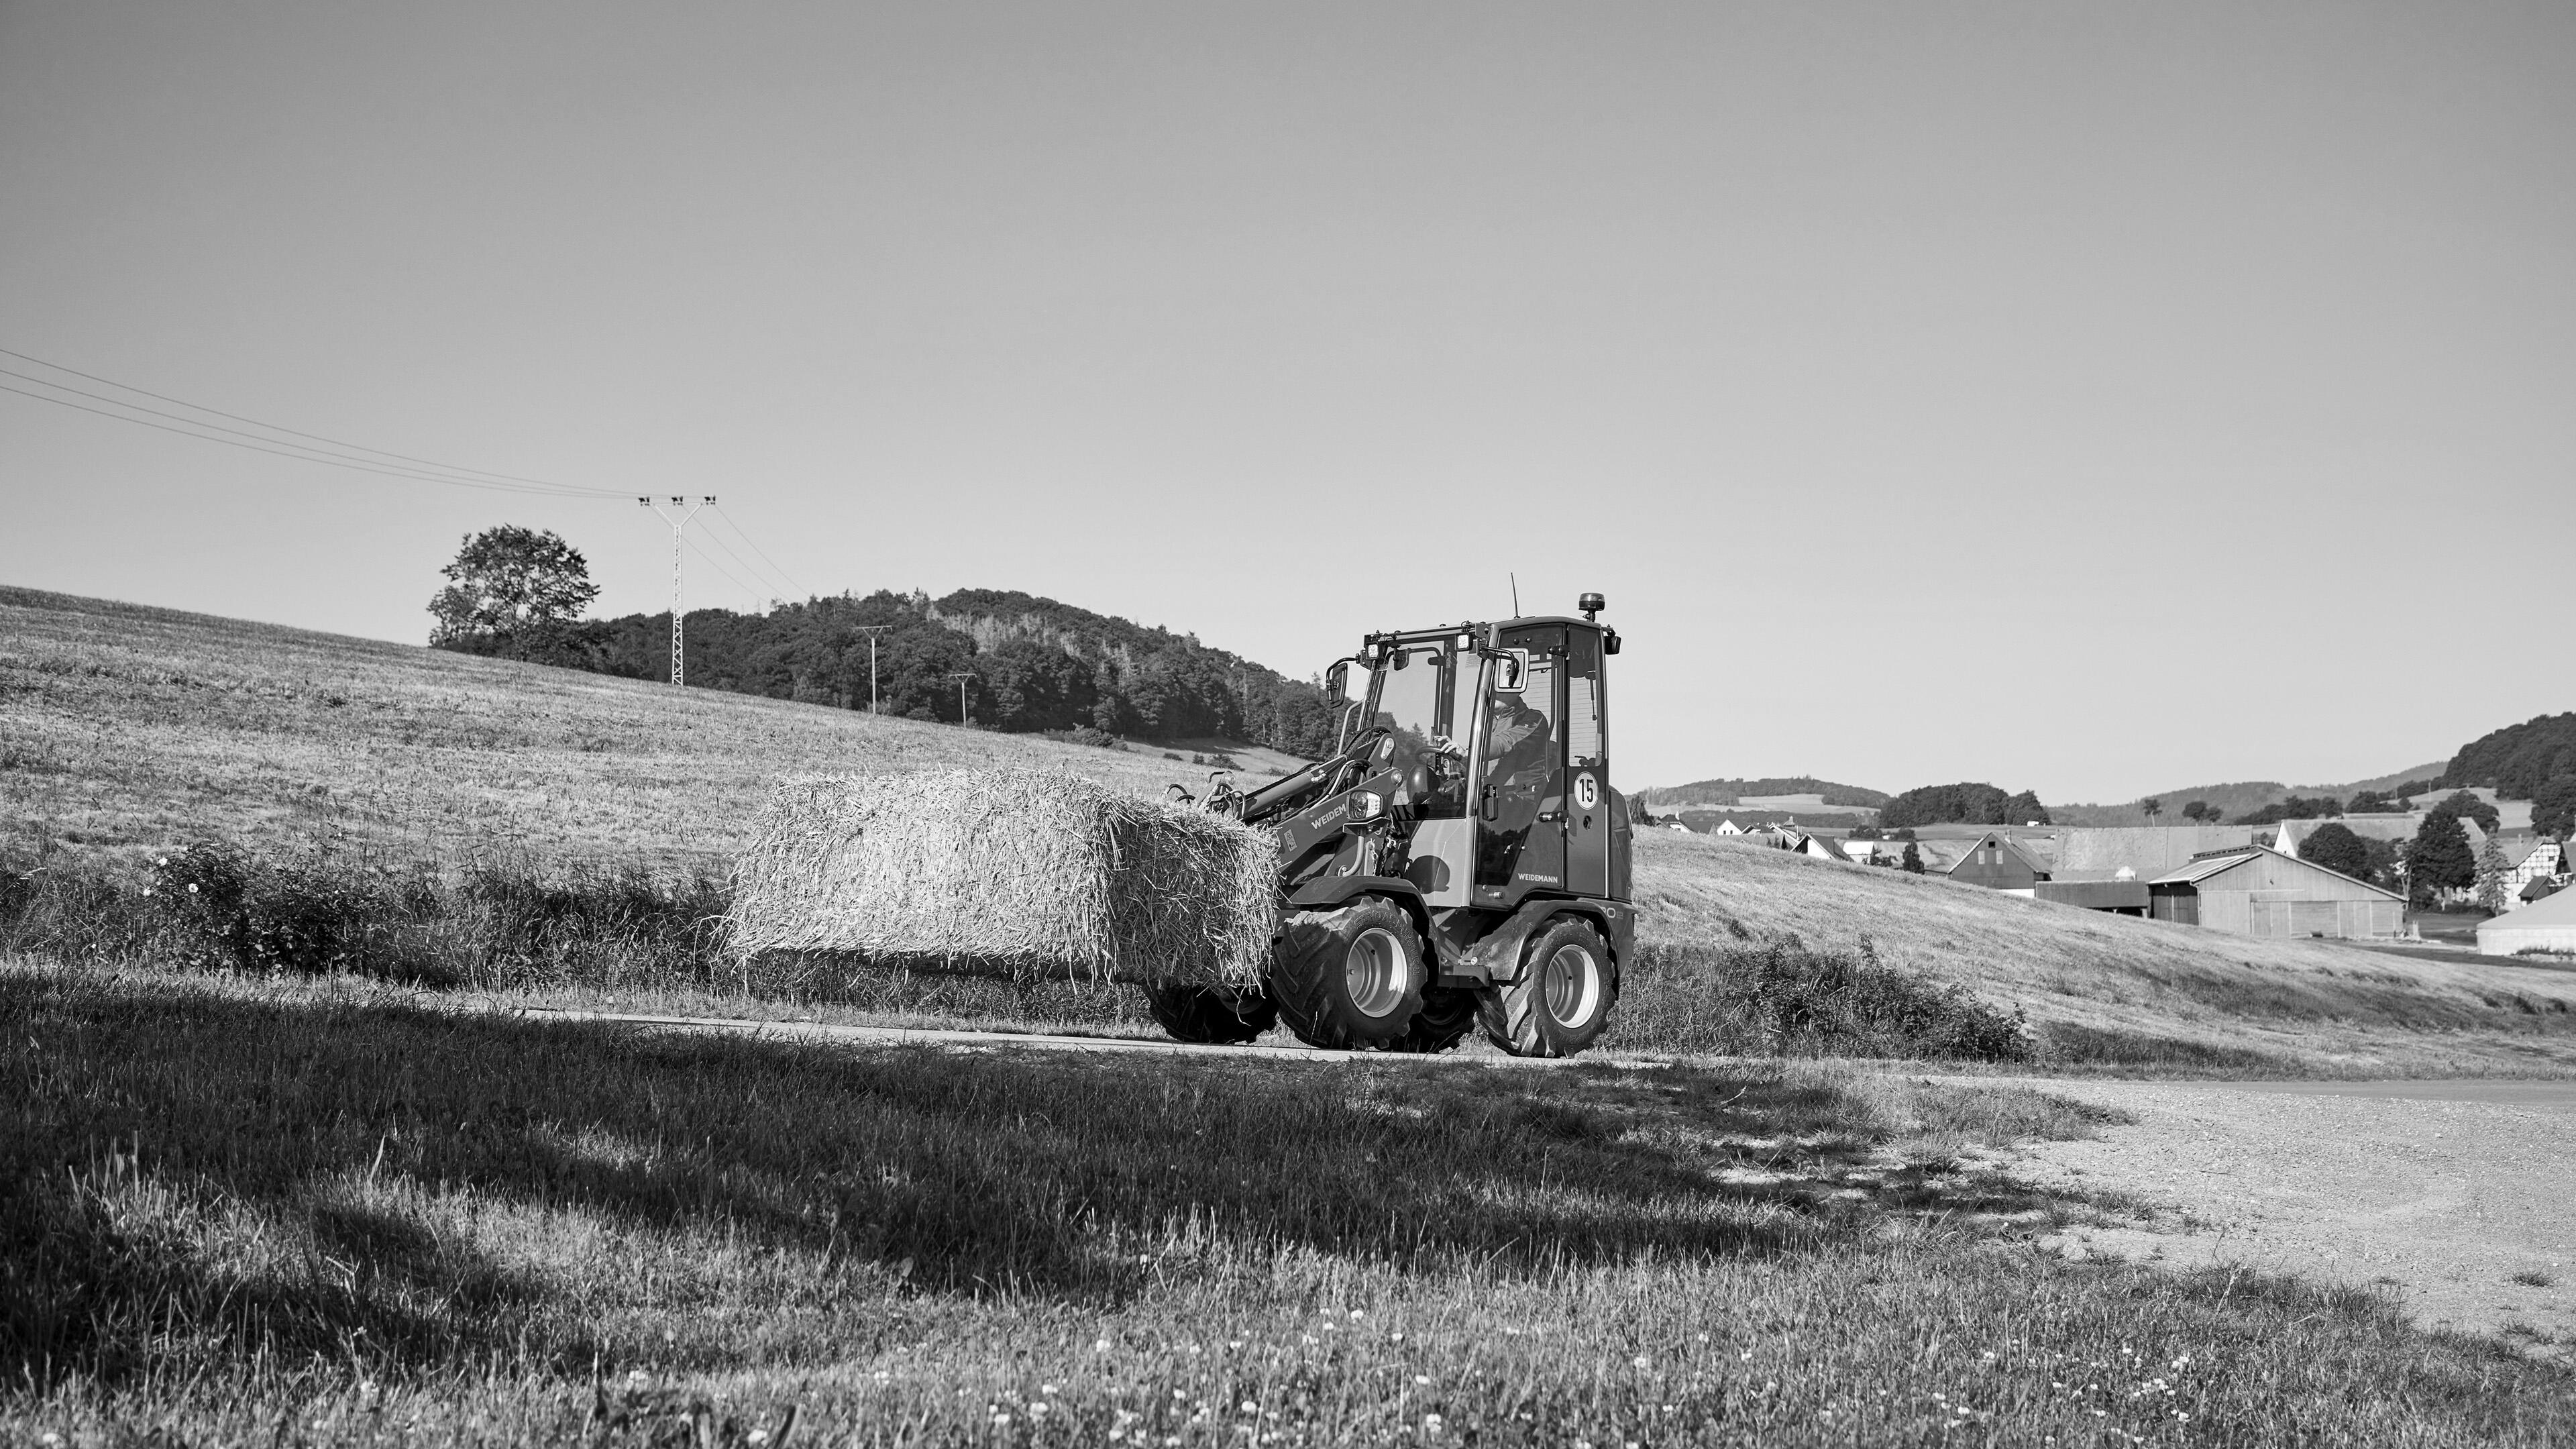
x: 2258, y: 891
x: 2547, y: 924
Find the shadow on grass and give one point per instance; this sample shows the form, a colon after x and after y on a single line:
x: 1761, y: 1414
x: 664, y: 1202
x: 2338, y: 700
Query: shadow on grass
x: 286, y: 1177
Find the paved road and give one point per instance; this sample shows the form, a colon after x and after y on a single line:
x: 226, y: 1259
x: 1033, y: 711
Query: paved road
x: 2453, y: 1195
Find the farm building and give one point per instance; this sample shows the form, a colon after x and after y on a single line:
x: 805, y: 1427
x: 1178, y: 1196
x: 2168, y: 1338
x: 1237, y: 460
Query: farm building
x: 2547, y: 924
x: 1998, y: 862
x: 2258, y: 891
x: 2118, y: 897
x: 2144, y: 851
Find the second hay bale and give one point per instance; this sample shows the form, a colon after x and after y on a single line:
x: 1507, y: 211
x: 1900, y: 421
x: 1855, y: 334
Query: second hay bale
x: 1012, y: 872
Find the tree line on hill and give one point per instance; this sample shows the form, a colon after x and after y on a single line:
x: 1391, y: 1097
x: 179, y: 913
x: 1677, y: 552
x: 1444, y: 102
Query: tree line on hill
x: 1025, y: 664
x: 2518, y: 760
x: 1967, y: 803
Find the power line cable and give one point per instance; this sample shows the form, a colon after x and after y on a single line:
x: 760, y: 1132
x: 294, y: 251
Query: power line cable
x: 277, y: 428
x: 720, y: 568
x: 767, y: 584
x: 408, y: 475
x: 279, y: 445
x: 736, y: 526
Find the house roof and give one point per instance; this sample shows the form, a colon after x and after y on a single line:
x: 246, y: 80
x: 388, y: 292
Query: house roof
x: 2556, y: 911
x: 2145, y: 850
x: 2027, y: 857
x: 2201, y: 869
x: 2219, y: 862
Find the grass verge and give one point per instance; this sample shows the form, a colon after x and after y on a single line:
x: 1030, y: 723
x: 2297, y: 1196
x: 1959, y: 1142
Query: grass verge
x: 228, y: 1216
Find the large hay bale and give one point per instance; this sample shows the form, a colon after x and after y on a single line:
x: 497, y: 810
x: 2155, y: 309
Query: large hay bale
x: 1017, y: 872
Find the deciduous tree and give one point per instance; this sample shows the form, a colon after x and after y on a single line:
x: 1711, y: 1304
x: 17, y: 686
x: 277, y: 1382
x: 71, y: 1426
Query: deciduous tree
x: 2553, y: 807
x: 2336, y: 848
x: 2439, y: 859
x: 520, y: 587
x: 2470, y: 807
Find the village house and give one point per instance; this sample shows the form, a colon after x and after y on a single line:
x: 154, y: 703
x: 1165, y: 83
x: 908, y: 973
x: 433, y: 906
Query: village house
x: 1999, y: 862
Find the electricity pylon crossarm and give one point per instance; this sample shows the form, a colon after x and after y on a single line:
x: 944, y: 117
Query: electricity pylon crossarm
x: 679, y: 526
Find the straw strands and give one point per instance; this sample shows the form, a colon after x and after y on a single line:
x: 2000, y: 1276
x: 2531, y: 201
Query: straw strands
x: 1019, y: 872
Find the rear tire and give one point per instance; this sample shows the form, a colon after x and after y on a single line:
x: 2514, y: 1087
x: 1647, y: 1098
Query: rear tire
x: 1448, y: 1013
x: 1348, y: 979
x: 1210, y: 1015
x: 1562, y: 1001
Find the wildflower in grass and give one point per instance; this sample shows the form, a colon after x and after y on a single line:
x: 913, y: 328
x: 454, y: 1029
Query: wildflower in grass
x: 1422, y: 1378
x: 758, y: 1436
x: 1641, y: 1361
x: 1101, y: 1347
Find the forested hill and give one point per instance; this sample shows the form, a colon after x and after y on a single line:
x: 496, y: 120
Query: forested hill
x: 1031, y: 664
x: 2517, y: 760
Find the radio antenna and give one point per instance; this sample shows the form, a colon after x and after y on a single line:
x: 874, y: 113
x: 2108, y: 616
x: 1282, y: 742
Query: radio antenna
x: 1516, y: 593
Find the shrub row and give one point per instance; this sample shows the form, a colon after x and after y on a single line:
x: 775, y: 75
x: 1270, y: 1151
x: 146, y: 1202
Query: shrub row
x: 500, y: 926
x: 1782, y: 999
x: 213, y: 907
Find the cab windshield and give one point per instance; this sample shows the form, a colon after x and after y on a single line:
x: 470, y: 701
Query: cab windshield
x: 1408, y: 697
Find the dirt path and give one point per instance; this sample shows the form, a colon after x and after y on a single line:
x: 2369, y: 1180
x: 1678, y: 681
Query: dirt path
x: 1273, y: 1049
x: 2458, y: 1196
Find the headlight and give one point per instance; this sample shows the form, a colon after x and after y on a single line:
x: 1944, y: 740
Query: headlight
x: 1367, y: 804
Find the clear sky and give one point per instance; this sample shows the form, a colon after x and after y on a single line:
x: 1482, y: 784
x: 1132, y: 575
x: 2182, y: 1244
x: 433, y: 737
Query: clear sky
x: 2082, y: 397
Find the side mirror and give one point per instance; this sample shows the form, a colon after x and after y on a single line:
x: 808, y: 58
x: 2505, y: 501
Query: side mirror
x: 1511, y: 667
x: 1337, y: 681
x: 1609, y: 641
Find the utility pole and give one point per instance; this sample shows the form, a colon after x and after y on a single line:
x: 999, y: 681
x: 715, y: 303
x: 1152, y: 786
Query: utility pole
x: 872, y: 630
x: 677, y: 525
x: 961, y: 696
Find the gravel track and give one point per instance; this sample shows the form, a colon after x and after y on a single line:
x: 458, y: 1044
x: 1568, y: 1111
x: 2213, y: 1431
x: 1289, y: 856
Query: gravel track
x: 2457, y: 1197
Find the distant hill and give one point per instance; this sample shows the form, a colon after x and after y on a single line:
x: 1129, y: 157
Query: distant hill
x: 1743, y: 792
x: 2238, y: 798
x: 1031, y: 665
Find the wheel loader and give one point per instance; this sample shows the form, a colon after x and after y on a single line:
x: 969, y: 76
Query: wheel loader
x: 1460, y: 861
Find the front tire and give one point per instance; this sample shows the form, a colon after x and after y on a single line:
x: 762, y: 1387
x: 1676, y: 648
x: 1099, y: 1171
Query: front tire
x: 1561, y: 1002
x: 1349, y: 979
x: 1210, y: 1015
x: 1448, y: 1013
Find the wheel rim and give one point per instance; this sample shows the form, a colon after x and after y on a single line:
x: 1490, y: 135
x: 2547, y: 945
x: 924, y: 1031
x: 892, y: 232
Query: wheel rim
x: 1572, y: 985
x: 1375, y: 972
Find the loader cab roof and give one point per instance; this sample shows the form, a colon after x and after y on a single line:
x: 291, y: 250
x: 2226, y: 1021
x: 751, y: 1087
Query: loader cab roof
x: 1473, y: 627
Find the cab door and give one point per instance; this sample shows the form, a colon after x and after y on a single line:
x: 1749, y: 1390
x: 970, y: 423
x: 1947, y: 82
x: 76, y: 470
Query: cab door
x: 1520, y: 795
x: 1588, y: 801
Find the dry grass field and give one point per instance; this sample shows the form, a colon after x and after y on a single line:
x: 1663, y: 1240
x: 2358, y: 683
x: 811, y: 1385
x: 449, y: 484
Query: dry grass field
x: 125, y: 729
x: 134, y: 727
x: 302, y: 1215
x: 2145, y: 993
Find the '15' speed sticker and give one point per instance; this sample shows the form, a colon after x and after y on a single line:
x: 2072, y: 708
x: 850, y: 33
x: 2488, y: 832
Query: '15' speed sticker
x: 1587, y: 792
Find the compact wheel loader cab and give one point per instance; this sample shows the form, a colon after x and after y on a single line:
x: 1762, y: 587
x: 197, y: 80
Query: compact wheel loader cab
x: 1460, y: 861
